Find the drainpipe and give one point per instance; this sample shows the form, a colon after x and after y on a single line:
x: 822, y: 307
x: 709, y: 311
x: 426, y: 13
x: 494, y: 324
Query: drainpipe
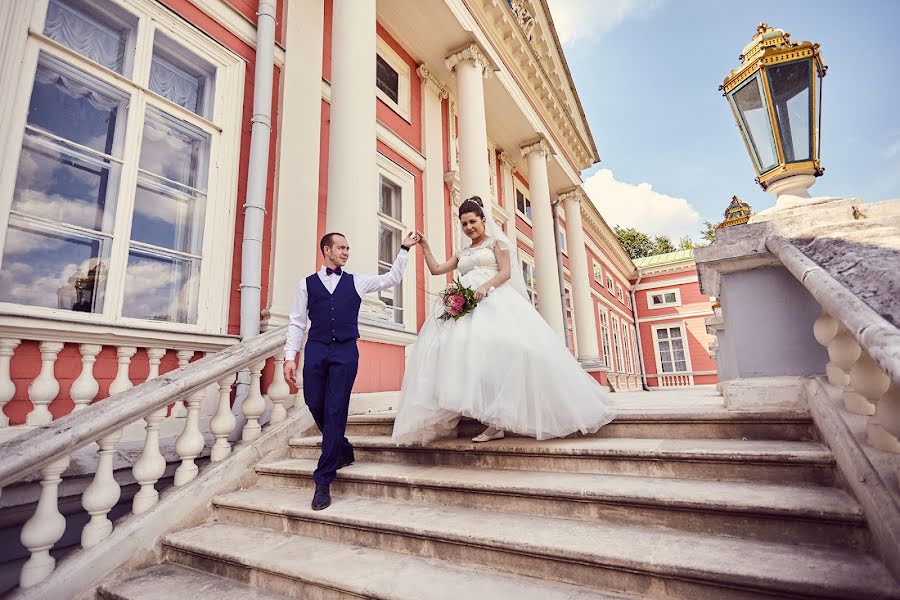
x: 637, y: 329
x: 559, y: 268
x: 257, y: 177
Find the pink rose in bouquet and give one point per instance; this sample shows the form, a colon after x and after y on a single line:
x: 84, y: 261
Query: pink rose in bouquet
x: 458, y: 301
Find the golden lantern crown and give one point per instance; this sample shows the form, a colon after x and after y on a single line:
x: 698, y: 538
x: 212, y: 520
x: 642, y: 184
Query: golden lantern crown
x: 775, y: 96
x: 737, y: 213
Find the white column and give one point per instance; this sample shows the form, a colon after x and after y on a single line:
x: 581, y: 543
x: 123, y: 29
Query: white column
x: 352, y: 171
x: 85, y: 388
x: 546, y: 270
x: 507, y: 182
x: 44, y: 389
x: 471, y: 66
x: 433, y: 92
x: 585, y: 325
x: 7, y: 387
x: 296, y: 240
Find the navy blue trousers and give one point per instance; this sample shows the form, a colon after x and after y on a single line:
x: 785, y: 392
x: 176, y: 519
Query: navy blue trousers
x: 329, y: 371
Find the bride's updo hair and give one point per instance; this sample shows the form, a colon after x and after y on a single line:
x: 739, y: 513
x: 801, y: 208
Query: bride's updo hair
x: 472, y: 205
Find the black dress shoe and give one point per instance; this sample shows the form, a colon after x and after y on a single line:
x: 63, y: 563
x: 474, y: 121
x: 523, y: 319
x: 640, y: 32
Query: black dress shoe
x: 346, y: 462
x: 322, y: 497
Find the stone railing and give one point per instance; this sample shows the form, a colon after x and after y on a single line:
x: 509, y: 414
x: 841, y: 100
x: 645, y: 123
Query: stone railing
x: 47, y: 448
x: 676, y: 380
x: 863, y: 346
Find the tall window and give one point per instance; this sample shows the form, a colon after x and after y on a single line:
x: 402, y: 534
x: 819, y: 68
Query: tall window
x: 626, y: 344
x: 110, y: 203
x: 387, y: 79
x: 562, y: 241
x: 523, y: 204
x: 617, y: 343
x: 570, y: 321
x: 604, y: 337
x: 635, y: 350
x: 390, y: 236
x: 670, y: 351
x: 528, y: 276
x: 619, y: 294
x: 610, y: 285
x: 598, y: 273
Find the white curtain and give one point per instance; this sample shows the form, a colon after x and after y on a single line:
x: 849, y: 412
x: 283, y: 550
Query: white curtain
x: 174, y: 84
x: 85, y: 36
x: 69, y: 85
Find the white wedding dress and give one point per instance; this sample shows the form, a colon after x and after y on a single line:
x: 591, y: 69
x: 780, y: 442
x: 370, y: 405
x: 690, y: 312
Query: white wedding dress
x: 500, y: 364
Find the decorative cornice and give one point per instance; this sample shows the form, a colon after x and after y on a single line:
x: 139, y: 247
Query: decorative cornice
x: 471, y: 52
x: 432, y: 82
x: 506, y: 161
x: 537, y: 146
x: 575, y: 194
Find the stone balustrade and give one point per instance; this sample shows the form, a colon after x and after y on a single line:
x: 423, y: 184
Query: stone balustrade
x: 49, y: 444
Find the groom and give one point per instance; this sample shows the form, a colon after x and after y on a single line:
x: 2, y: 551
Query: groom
x: 330, y: 299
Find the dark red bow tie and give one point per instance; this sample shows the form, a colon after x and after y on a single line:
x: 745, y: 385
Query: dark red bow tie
x: 335, y: 271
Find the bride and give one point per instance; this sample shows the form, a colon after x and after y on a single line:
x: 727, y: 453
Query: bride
x: 500, y: 364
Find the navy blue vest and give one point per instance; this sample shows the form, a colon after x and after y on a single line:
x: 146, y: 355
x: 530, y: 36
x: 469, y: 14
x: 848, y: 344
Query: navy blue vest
x: 335, y: 316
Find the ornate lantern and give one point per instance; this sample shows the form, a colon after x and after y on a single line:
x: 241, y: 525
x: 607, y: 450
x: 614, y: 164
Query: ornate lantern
x: 776, y: 97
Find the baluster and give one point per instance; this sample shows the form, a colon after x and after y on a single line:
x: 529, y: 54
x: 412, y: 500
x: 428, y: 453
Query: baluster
x: 223, y: 422
x: 883, y: 431
x: 151, y: 465
x: 867, y: 384
x: 278, y: 390
x: 843, y: 351
x: 44, y: 389
x: 7, y: 387
x: 122, y: 382
x: 85, y: 388
x: 179, y: 411
x: 45, y: 527
x: 190, y: 443
x: 102, y: 494
x: 254, y: 405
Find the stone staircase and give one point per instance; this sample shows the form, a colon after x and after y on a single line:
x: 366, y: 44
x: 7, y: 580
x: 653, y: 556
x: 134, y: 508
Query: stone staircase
x: 664, y: 503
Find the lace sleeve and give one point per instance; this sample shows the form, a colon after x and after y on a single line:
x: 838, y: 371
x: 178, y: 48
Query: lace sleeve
x: 490, y: 243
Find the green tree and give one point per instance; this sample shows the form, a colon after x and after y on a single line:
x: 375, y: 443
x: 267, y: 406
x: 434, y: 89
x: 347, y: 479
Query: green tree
x: 663, y: 244
x: 686, y: 243
x: 636, y: 243
x: 709, y: 232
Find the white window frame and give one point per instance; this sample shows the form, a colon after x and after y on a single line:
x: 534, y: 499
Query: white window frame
x: 597, y: 272
x: 687, y: 354
x: 610, y: 285
x: 570, y: 316
x: 617, y: 348
x: 404, y: 91
x: 626, y: 348
x: 517, y: 186
x: 662, y: 294
x: 635, y: 348
x: 563, y: 241
x: 619, y: 293
x: 527, y: 259
x: 603, y: 315
x: 406, y: 181
x: 224, y: 128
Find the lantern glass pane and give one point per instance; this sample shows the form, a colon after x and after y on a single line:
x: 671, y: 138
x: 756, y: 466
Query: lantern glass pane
x: 790, y: 84
x: 755, y: 123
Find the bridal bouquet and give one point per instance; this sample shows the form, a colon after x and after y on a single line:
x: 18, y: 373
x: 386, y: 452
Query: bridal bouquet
x: 458, y: 300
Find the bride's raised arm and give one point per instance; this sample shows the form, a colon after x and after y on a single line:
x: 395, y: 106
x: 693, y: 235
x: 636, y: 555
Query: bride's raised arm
x: 434, y: 266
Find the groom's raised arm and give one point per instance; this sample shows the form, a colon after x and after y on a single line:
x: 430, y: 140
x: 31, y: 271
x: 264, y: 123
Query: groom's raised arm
x: 298, y: 322
x: 366, y: 284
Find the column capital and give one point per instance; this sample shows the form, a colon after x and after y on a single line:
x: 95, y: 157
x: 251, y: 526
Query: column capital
x: 506, y: 161
x: 471, y: 52
x: 575, y: 195
x: 431, y: 81
x: 539, y: 145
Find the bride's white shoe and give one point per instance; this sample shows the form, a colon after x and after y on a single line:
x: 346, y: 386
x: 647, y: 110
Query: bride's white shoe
x: 484, y: 437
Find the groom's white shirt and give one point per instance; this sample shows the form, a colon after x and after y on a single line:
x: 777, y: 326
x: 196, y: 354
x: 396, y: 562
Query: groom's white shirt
x: 364, y: 284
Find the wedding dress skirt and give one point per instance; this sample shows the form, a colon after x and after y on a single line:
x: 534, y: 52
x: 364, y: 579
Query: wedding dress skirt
x: 500, y: 364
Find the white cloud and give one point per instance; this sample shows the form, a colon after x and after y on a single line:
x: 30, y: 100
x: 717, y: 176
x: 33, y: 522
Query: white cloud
x: 641, y: 207
x: 579, y: 19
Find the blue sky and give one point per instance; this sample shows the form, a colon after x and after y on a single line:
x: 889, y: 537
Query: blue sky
x: 647, y: 72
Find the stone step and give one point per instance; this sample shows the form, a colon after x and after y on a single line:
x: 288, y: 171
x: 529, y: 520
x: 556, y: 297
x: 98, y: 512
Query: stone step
x: 782, y: 513
x: 735, y: 460
x: 649, y: 561
x: 168, y: 580
x: 631, y: 423
x: 305, y: 567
